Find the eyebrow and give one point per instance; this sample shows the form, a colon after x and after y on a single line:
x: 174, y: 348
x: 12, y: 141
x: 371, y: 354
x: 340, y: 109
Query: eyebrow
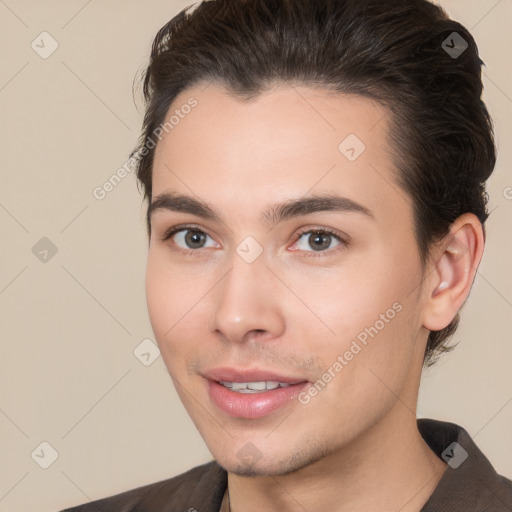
x: 276, y: 213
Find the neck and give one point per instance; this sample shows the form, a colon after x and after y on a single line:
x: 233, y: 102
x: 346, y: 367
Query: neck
x: 389, y: 467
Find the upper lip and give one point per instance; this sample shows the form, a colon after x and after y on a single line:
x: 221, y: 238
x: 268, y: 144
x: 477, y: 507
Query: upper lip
x: 250, y: 375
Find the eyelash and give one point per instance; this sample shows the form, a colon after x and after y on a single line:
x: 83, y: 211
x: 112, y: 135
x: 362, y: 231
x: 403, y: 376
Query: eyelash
x: 344, y: 242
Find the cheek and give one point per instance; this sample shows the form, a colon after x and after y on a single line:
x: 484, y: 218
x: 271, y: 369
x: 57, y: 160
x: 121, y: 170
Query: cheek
x: 178, y: 301
x: 373, y: 315
x: 158, y: 297
x: 365, y: 314
x: 351, y: 298
x: 168, y: 300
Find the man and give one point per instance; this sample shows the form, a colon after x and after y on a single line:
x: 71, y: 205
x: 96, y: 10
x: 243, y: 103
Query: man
x: 315, y: 173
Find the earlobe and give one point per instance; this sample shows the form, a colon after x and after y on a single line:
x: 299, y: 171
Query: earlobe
x: 450, y: 282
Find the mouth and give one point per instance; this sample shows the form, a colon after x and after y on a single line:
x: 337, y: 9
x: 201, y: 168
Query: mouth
x: 254, y: 387
x: 251, y: 394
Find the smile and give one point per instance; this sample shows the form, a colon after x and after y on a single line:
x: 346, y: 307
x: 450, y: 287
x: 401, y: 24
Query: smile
x: 253, y: 387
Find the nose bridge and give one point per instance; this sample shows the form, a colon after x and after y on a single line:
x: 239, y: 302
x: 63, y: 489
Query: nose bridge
x: 247, y: 300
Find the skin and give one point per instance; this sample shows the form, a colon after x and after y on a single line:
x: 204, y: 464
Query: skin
x: 354, y: 446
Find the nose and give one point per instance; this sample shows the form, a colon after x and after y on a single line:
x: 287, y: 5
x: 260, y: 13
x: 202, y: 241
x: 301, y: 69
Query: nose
x: 248, y: 302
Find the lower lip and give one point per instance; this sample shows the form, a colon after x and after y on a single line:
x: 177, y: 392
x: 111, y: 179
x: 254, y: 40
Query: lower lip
x: 252, y: 405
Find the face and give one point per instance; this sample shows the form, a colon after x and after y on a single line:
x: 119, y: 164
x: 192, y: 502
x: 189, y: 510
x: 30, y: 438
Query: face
x: 288, y: 323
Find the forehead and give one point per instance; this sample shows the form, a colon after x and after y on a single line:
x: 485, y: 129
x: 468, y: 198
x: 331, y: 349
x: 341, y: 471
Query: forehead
x: 287, y: 142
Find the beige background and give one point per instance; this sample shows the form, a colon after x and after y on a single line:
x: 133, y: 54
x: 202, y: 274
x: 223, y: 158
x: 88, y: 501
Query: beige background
x: 69, y: 326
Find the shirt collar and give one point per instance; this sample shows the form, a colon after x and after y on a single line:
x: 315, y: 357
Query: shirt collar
x: 469, y: 481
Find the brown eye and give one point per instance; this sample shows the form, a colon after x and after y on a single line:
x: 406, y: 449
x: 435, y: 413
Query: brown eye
x: 320, y: 240
x: 194, y: 239
x: 188, y: 239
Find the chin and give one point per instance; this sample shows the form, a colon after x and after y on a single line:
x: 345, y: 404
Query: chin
x: 273, y: 464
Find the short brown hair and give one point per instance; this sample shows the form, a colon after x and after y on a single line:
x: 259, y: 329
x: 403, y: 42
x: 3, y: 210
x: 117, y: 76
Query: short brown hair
x: 393, y: 51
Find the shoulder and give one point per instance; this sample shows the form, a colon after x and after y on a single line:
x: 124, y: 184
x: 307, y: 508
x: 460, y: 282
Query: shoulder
x: 200, y: 489
x: 470, y: 482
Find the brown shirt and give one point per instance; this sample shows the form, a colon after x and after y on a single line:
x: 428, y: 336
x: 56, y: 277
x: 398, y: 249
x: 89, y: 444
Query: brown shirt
x: 469, y: 483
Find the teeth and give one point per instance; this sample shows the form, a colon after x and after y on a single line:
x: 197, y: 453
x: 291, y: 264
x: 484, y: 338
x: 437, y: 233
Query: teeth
x: 253, y: 387
x: 257, y: 386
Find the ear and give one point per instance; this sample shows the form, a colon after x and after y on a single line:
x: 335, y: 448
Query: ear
x: 450, y: 281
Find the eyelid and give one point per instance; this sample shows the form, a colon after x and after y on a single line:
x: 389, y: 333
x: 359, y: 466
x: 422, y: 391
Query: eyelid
x: 342, y: 237
x: 181, y: 227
